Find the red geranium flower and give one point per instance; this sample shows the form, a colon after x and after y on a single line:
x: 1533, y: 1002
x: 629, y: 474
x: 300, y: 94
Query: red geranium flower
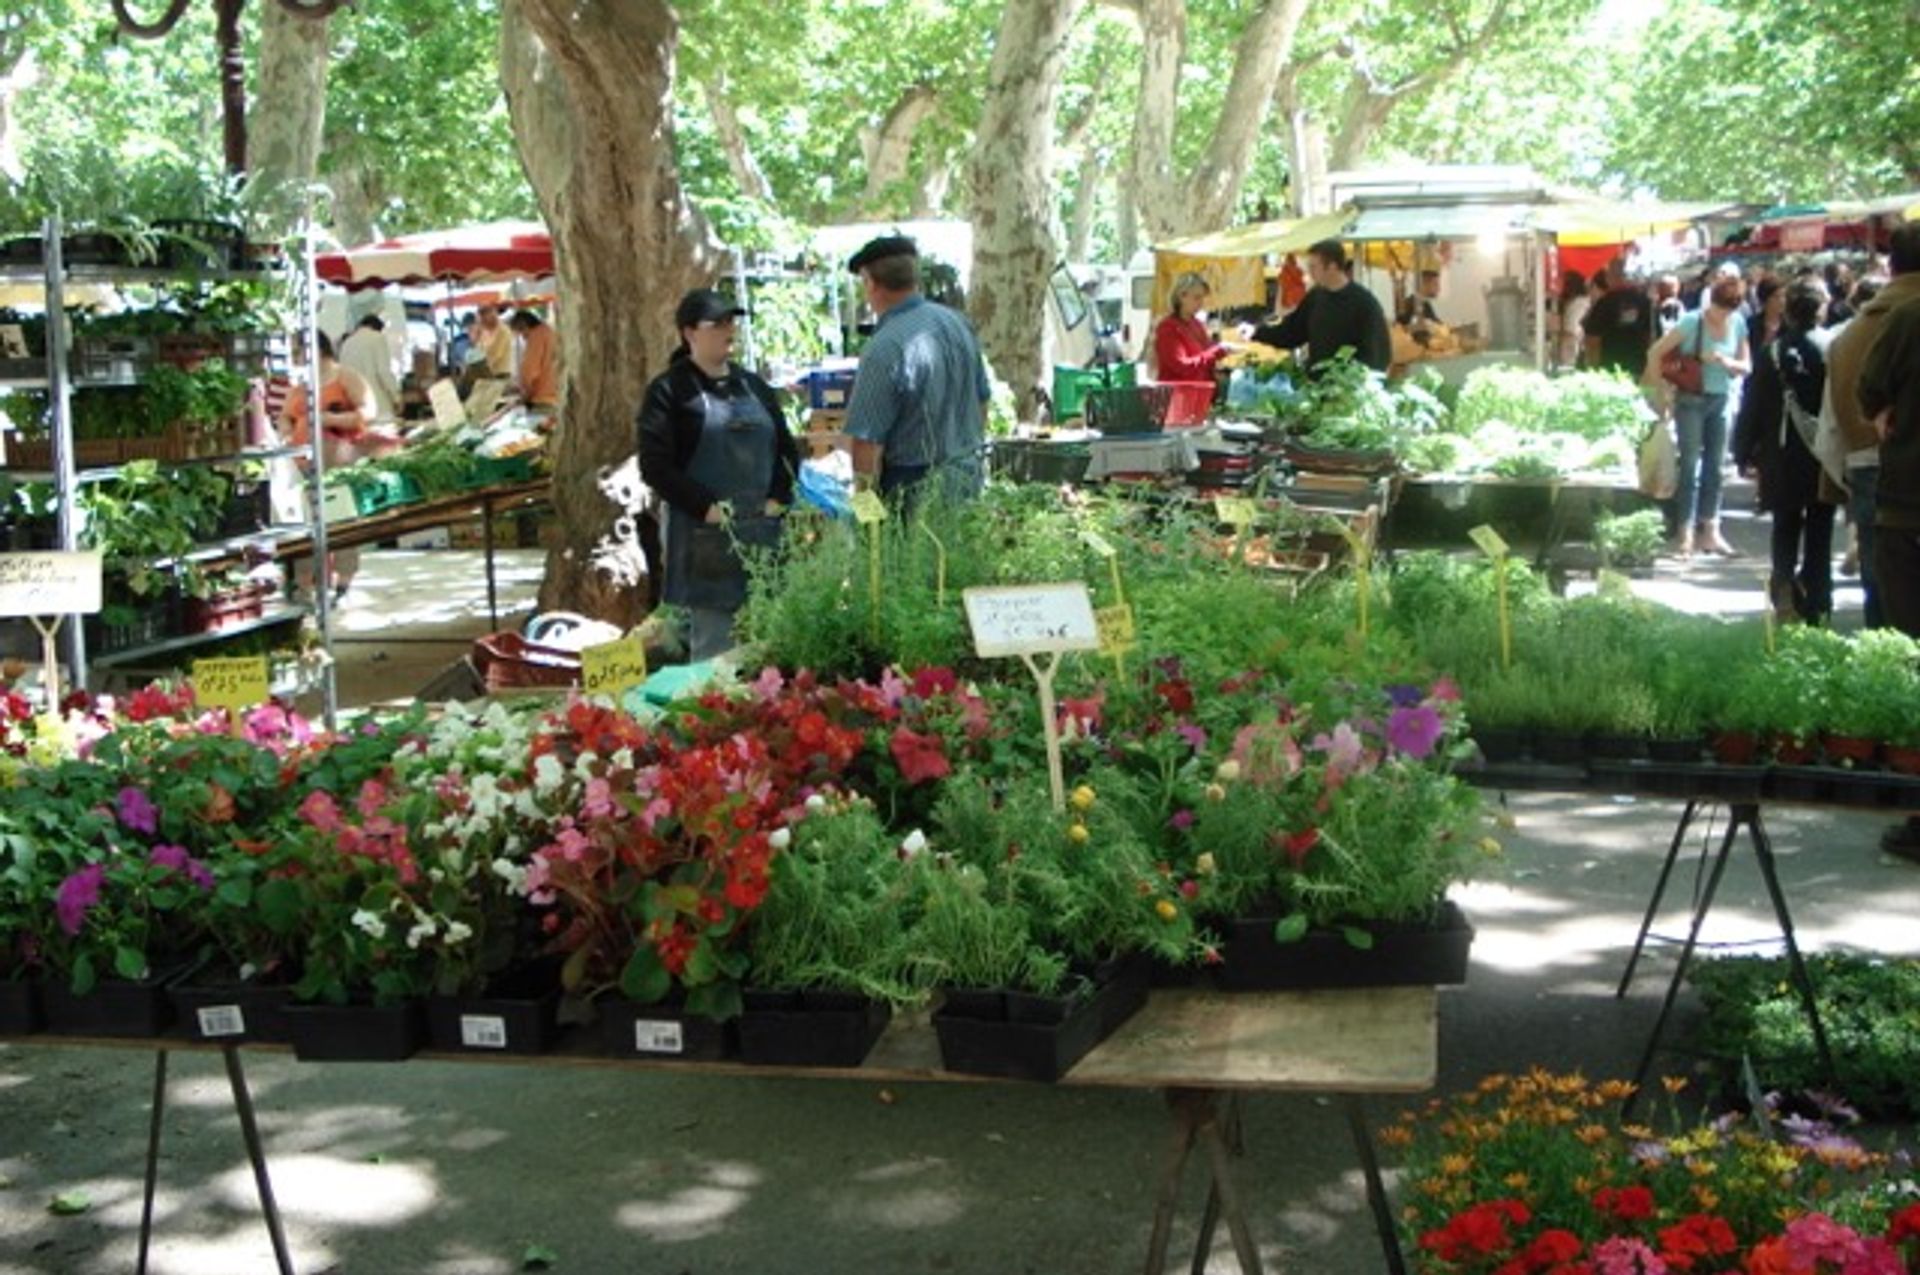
x: 920, y: 757
x: 929, y: 682
x: 1300, y: 844
x: 1627, y: 1203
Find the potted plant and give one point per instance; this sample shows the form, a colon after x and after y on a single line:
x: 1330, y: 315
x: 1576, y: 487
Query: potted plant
x: 1874, y: 694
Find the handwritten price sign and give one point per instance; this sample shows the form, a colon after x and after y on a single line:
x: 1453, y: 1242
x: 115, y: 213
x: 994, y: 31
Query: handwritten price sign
x: 1489, y: 540
x: 1116, y: 629
x: 1236, y: 511
x: 1031, y: 619
x: 613, y: 668
x: 49, y: 583
x: 868, y: 508
x: 235, y: 683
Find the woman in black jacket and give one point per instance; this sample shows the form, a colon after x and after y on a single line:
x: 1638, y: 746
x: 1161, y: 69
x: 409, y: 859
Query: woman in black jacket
x: 1779, y: 420
x: 714, y: 446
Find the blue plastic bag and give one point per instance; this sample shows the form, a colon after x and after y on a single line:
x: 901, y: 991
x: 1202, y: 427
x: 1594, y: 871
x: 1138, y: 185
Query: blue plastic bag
x: 828, y: 494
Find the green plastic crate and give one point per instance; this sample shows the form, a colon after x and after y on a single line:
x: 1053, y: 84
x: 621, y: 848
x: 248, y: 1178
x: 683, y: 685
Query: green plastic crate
x: 392, y: 490
x: 489, y: 471
x: 1071, y: 385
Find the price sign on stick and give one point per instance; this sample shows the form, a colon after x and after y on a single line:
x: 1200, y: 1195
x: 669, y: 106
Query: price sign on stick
x: 235, y: 684
x: 1494, y: 547
x: 1029, y: 621
x: 1236, y: 511
x: 868, y: 508
x: 1116, y: 629
x: 613, y: 668
x: 44, y: 587
x: 448, y: 412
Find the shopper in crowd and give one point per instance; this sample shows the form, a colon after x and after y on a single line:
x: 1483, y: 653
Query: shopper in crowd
x: 1717, y: 336
x: 1336, y: 314
x: 714, y: 447
x: 1841, y: 492
x: 1619, y: 327
x: 1769, y: 309
x: 495, y: 340
x: 1572, y: 307
x: 1846, y: 357
x: 463, y: 341
x: 539, y: 380
x: 1776, y: 439
x: 1666, y: 303
x: 346, y: 414
x: 1183, y: 349
x: 368, y: 352
x: 1889, y: 396
x: 917, y: 413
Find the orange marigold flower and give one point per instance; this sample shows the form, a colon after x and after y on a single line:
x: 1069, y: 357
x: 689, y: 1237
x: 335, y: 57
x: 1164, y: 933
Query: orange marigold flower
x: 1673, y: 1084
x: 1592, y: 1134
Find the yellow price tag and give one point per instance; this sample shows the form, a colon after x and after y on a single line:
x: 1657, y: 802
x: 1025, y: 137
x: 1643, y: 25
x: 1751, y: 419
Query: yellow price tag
x: 1115, y: 624
x: 1236, y: 511
x: 1101, y: 546
x: 613, y: 668
x: 234, y: 683
x: 868, y: 508
x: 1489, y: 541
x: 1356, y: 543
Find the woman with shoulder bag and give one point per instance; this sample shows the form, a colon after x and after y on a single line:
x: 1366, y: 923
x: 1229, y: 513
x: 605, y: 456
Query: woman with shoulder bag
x: 714, y: 446
x: 1775, y: 435
x: 1698, y: 359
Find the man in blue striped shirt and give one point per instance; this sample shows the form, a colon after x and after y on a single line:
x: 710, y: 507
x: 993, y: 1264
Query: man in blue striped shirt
x: 918, y: 410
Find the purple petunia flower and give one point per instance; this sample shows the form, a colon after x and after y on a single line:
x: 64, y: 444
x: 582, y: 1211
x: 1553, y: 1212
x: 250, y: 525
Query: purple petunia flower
x: 1404, y: 696
x: 1181, y: 820
x: 1414, y: 731
x: 1195, y: 737
x: 177, y: 859
x: 78, y: 893
x: 136, y: 811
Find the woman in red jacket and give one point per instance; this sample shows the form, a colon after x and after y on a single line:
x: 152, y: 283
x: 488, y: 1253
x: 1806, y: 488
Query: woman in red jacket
x: 1182, y: 348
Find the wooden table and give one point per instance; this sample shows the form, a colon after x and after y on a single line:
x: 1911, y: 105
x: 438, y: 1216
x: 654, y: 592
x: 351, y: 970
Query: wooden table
x: 1203, y: 1050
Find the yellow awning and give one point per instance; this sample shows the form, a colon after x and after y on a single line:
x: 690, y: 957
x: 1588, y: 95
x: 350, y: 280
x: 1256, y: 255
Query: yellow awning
x: 1576, y: 219
x: 1262, y: 238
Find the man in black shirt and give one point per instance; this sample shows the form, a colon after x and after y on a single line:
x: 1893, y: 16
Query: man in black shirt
x: 1336, y: 314
x: 1620, y: 325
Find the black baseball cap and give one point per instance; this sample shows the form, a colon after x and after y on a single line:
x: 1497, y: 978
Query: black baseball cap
x: 880, y: 249
x: 704, y: 305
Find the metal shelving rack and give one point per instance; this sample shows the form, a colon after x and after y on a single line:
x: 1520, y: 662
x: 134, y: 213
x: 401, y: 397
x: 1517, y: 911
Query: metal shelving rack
x: 55, y: 275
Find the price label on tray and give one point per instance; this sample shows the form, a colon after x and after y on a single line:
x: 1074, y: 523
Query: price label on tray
x: 49, y: 584
x: 658, y: 1036
x: 1489, y: 541
x: 217, y: 1021
x: 1235, y: 511
x: 237, y: 682
x: 613, y: 668
x: 1116, y: 629
x: 868, y: 508
x: 483, y: 1031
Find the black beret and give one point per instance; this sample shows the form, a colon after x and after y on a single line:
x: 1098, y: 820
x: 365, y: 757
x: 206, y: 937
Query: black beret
x: 881, y: 248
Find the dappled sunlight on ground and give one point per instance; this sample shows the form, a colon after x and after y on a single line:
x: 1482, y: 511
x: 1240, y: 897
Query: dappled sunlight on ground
x: 695, y: 1211
x: 336, y: 1191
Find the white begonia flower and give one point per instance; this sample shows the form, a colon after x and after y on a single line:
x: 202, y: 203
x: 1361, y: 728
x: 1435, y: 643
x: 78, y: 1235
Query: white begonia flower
x: 422, y: 930
x: 526, y: 805
x: 512, y: 873
x: 623, y: 758
x: 458, y: 932
x: 548, y: 774
x: 585, y: 765
x: 372, y: 923
x: 916, y: 842
x: 1227, y: 771
x: 816, y: 803
x: 780, y: 839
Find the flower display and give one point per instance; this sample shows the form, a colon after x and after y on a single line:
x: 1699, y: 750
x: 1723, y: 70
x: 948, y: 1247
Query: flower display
x: 1535, y: 1173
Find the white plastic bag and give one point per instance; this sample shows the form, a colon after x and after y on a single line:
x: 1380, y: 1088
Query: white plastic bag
x: 1659, y: 462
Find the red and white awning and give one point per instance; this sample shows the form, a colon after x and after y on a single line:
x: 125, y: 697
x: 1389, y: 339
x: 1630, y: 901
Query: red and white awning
x: 492, y: 253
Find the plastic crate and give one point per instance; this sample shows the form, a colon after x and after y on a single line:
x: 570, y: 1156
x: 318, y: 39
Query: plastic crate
x: 489, y: 471
x: 830, y: 390
x: 1189, y: 404
x: 1072, y: 385
x: 1139, y: 410
x: 392, y: 490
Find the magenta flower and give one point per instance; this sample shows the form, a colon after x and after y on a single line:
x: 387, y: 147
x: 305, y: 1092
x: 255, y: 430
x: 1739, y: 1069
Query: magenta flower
x: 176, y: 859
x: 78, y: 893
x: 1414, y: 731
x: 320, y: 810
x: 1620, y: 1255
x: 1195, y: 737
x: 1181, y: 820
x: 136, y: 811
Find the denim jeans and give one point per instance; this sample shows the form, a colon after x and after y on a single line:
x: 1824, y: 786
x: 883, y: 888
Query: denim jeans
x: 1700, y: 422
x: 709, y: 632
x: 1862, y: 483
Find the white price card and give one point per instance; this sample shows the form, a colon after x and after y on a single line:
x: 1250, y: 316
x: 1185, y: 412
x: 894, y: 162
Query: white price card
x: 658, y: 1036
x: 448, y: 413
x: 217, y: 1021
x: 483, y: 1031
x: 1031, y: 619
x: 49, y: 584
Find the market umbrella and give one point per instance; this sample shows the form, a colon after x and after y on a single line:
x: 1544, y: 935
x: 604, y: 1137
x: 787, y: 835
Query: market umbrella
x: 1233, y: 261
x: 475, y: 254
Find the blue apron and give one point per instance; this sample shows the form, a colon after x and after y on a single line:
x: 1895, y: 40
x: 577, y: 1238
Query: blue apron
x: 734, y: 460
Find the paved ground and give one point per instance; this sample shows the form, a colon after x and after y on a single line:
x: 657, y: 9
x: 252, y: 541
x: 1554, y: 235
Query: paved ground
x: 449, y: 1169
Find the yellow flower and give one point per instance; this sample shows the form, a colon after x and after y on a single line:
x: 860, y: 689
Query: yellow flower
x: 1490, y: 847
x: 1204, y: 865
x: 1078, y: 834
x: 1706, y: 1197
x: 1701, y: 1168
x: 1227, y: 771
x: 1517, y: 1181
x: 1638, y: 1132
x: 1082, y: 798
x: 1591, y: 1134
x: 1166, y: 910
x: 1396, y: 1135
x: 1673, y: 1084
x: 1455, y: 1166
x: 1216, y: 793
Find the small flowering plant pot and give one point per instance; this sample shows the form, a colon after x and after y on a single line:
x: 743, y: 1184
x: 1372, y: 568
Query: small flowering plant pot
x: 666, y: 1031
x: 1023, y: 1036
x: 517, y: 1013
x: 814, y: 1029
x: 1265, y: 953
x: 20, y: 1012
x: 321, y: 1032
x: 219, y: 1006
x: 135, y: 1008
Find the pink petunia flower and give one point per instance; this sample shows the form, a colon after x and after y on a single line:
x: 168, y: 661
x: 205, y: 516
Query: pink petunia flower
x: 78, y: 893
x: 1414, y: 731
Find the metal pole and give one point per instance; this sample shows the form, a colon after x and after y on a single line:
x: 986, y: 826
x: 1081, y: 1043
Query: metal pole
x: 317, y: 470
x: 66, y: 483
x: 257, y: 1155
x: 154, y: 1128
x: 1539, y: 300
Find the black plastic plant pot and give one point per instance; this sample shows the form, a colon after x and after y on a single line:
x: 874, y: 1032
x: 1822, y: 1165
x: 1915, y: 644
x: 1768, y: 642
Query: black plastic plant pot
x: 122, y: 1008
x: 1402, y: 955
x: 811, y: 1037
x: 1029, y: 1048
x: 19, y: 1007
x: 663, y: 1032
x: 989, y: 1003
x: 1616, y: 747
x: 1501, y: 744
x: 227, y: 1013
x: 1804, y: 783
x: 1557, y: 748
x: 506, y: 1021
x: 356, y: 1033
x: 1676, y: 751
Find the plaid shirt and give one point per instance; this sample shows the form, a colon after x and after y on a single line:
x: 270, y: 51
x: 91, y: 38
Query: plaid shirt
x: 920, y: 387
